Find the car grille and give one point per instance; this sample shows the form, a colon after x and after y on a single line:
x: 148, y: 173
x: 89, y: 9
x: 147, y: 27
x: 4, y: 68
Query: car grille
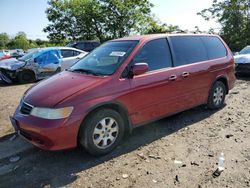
x: 25, y: 108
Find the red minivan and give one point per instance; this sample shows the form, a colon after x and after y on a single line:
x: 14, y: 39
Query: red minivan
x: 122, y: 84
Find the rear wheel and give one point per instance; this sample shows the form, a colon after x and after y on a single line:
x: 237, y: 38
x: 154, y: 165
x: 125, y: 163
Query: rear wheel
x: 26, y: 76
x: 102, y: 132
x: 217, y: 95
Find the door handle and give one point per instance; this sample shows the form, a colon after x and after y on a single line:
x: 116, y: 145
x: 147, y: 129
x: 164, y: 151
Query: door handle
x: 185, y: 74
x: 173, y: 77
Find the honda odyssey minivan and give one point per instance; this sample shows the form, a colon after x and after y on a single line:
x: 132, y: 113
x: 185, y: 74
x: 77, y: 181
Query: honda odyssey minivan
x: 122, y: 84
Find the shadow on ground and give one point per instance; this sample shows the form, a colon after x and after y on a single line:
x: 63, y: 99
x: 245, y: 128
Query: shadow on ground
x: 245, y: 77
x: 39, y: 168
x: 3, y: 84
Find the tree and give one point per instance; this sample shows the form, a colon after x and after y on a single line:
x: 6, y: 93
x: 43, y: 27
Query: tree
x: 234, y: 17
x: 4, y: 40
x: 96, y: 19
x: 19, y: 42
x: 156, y: 27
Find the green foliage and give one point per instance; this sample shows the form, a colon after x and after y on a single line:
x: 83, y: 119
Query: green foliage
x: 4, y: 40
x: 20, y: 41
x: 96, y: 19
x: 234, y: 17
x: 155, y: 26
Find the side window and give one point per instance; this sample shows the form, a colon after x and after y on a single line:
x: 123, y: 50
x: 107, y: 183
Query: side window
x: 80, y: 45
x: 67, y: 53
x: 156, y: 54
x: 88, y: 45
x: 188, y: 49
x: 95, y: 44
x: 76, y: 53
x: 214, y: 46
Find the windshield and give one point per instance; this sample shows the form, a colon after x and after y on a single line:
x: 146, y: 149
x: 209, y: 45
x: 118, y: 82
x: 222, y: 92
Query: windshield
x: 28, y: 56
x: 245, y: 50
x: 105, y: 59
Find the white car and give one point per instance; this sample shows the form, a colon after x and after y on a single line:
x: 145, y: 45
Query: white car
x: 242, y: 61
x: 70, y: 56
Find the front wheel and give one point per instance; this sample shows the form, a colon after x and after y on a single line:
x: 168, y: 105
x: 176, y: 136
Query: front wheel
x: 26, y: 76
x: 102, y: 132
x: 217, y: 95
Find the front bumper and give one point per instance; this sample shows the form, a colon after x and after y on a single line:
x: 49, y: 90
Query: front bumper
x: 4, y: 77
x: 47, y: 134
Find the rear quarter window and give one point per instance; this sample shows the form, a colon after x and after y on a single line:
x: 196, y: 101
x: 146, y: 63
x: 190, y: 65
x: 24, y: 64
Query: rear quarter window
x: 214, y: 46
x: 188, y: 49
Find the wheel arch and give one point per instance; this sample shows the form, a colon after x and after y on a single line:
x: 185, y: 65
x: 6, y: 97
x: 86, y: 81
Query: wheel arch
x: 224, y: 80
x: 26, y: 70
x: 114, y: 105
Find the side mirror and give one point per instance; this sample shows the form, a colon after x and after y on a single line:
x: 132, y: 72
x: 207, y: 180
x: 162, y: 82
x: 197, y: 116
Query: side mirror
x: 139, y: 68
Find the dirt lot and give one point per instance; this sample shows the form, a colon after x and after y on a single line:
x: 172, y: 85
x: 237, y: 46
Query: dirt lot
x: 145, y: 159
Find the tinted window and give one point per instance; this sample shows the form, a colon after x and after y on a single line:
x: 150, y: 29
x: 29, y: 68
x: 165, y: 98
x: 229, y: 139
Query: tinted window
x: 215, y: 48
x: 188, y: 49
x: 95, y: 44
x: 80, y: 45
x: 88, y: 45
x: 67, y: 53
x: 156, y: 54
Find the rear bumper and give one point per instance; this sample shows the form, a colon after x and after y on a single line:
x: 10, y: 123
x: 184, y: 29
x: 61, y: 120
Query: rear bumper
x: 47, y: 134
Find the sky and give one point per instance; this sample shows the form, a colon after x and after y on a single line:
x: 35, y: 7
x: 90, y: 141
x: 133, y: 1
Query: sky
x: 29, y: 15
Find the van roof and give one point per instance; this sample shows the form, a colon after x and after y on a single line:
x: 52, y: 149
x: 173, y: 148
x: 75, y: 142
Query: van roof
x: 154, y: 36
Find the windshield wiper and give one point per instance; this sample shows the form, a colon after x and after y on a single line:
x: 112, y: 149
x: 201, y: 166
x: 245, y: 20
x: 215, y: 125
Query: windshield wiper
x: 87, y: 71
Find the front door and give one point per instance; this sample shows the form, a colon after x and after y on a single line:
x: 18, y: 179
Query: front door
x: 154, y: 94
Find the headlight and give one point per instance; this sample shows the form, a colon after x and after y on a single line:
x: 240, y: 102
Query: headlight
x: 49, y: 113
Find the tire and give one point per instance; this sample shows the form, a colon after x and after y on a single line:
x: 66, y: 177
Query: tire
x: 217, y: 95
x: 98, y: 135
x: 26, y: 76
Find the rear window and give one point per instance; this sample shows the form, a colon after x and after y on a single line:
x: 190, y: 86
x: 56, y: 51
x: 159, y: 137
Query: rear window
x: 214, y: 46
x: 188, y: 49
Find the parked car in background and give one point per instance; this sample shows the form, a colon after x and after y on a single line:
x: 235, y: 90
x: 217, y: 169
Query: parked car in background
x: 4, y: 55
x: 99, y: 99
x: 16, y: 53
x: 39, y: 64
x: 86, y: 46
x: 242, y: 61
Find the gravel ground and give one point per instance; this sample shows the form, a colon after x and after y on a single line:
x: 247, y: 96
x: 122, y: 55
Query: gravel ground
x: 147, y: 158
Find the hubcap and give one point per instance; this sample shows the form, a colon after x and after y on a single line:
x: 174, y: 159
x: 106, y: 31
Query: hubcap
x: 105, y: 132
x: 218, y: 95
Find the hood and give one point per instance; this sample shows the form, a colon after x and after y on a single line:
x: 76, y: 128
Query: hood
x: 242, y: 58
x: 11, y: 64
x: 50, y: 92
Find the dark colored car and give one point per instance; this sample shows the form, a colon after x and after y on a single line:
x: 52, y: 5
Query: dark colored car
x: 86, y: 46
x: 123, y: 84
x: 242, y: 61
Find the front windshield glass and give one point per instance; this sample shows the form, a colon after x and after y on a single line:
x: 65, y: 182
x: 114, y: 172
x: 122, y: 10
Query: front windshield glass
x: 105, y: 59
x: 28, y: 55
x: 245, y: 50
